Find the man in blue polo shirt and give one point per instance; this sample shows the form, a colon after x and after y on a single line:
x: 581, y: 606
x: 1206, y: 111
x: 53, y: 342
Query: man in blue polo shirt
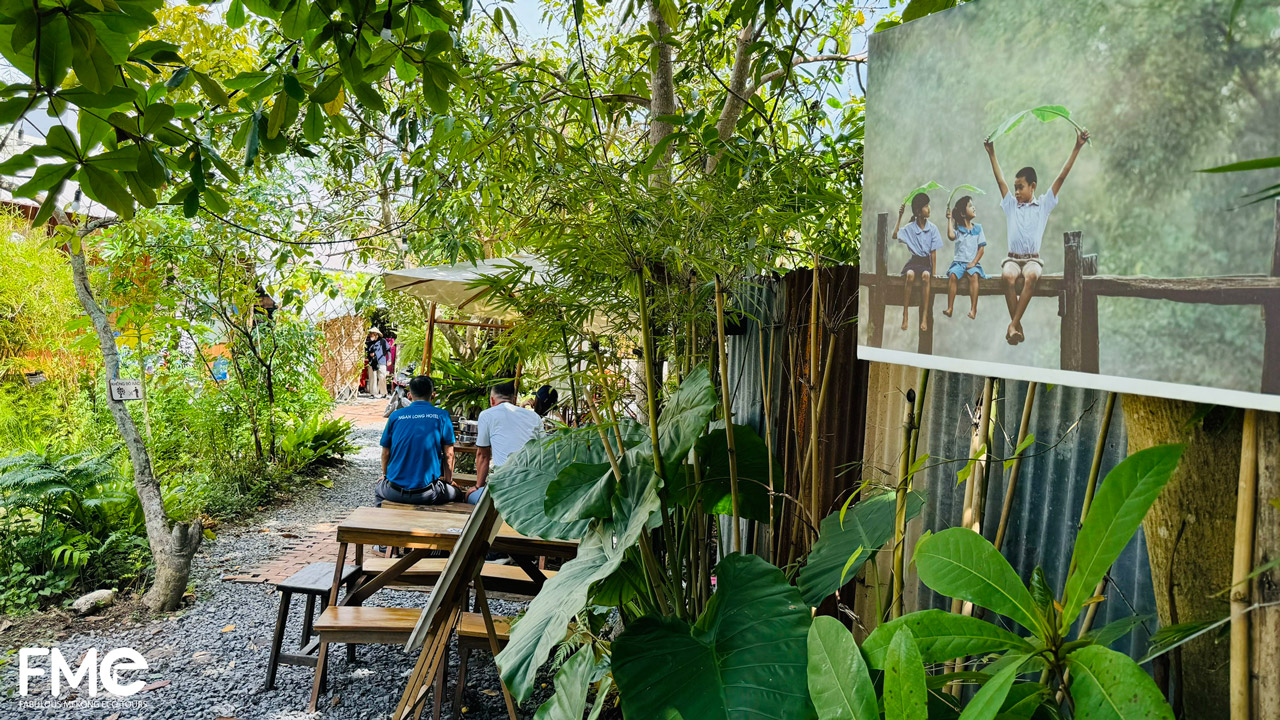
x: 412, y: 445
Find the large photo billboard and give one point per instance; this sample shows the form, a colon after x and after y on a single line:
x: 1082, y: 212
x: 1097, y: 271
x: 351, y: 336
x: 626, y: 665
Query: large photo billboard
x: 1036, y: 202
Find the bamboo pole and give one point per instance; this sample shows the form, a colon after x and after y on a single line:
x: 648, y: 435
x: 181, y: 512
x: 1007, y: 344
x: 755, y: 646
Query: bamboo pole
x: 429, y: 343
x: 1095, y: 471
x: 1246, y: 501
x: 900, y: 514
x: 766, y: 392
x: 976, y: 443
x: 728, y: 414
x: 815, y: 347
x: 1011, y: 487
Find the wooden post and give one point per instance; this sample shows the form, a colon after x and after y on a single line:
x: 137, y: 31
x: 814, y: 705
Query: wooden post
x: 882, y: 275
x: 1271, y: 321
x: 1265, y: 621
x: 1089, y: 350
x: 1072, y: 303
x: 1242, y: 564
x: 429, y: 343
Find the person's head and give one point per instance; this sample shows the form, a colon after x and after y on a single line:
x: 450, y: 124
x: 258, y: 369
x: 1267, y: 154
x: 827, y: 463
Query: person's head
x: 964, y: 211
x: 545, y: 399
x: 920, y: 207
x: 374, y: 334
x: 1024, y: 185
x: 502, y: 392
x: 421, y: 387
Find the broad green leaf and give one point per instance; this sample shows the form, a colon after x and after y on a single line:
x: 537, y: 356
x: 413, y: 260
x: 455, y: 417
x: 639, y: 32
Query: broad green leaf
x: 839, y: 682
x: 1107, y: 685
x: 960, y: 563
x: 61, y: 142
x: 44, y: 178
x: 1041, y: 593
x: 714, y: 491
x: 905, y: 692
x: 313, y: 124
x: 581, y: 491
x: 942, y: 636
x: 1043, y: 113
x: 685, y: 417
x: 178, y: 77
x: 746, y: 653
x: 971, y: 189
x: 156, y: 115
x: 235, y: 14
x: 571, y: 682
x: 520, y: 486
x: 293, y: 23
x: 867, y: 527
x: 966, y: 471
x: 988, y: 701
x: 600, y: 553
x: 50, y: 203
x: 1026, y: 443
x: 211, y: 88
x: 1022, y: 701
x: 1122, y: 500
x: 931, y: 185
x: 125, y: 159
x: 93, y: 129
x: 105, y: 187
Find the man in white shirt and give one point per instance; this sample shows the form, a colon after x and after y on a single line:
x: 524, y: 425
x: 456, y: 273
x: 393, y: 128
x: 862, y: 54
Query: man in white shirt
x: 503, y: 429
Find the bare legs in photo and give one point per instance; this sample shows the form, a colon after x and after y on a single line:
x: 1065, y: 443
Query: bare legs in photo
x: 1030, y: 274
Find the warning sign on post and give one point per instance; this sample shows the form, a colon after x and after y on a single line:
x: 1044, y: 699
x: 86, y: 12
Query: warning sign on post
x: 126, y: 390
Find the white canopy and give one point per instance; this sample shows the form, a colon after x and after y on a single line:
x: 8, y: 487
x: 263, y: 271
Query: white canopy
x: 457, y: 286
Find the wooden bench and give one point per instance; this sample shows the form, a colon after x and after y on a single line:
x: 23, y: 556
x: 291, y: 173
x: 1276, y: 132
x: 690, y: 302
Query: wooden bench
x: 458, y: 507
x: 501, y: 578
x: 312, y: 582
x: 385, y: 626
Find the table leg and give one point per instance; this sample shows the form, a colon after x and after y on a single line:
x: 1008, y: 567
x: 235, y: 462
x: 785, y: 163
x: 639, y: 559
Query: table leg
x: 532, y: 570
x: 337, y: 573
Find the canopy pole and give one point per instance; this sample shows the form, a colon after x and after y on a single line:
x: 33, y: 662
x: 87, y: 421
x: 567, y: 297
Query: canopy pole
x: 430, y: 341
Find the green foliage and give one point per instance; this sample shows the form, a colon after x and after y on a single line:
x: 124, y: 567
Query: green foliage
x: 905, y: 693
x: 745, y: 653
x: 1044, y: 113
x: 464, y: 388
x: 315, y: 441
x: 839, y: 682
x: 846, y: 541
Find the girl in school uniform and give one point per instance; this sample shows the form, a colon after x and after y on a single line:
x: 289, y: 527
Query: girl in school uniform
x: 971, y: 243
x: 924, y: 241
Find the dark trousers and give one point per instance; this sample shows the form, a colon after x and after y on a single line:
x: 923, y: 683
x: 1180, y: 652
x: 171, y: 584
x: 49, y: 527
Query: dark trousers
x: 437, y: 493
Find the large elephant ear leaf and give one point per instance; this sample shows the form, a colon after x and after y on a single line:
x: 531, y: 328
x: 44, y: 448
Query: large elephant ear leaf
x: 600, y: 554
x: 1107, y: 685
x: 839, y: 682
x: 581, y: 491
x: 520, y: 486
x: 1122, y: 500
x: 714, y: 490
x: 906, y: 696
x: 960, y: 563
x: 747, y: 652
x: 842, y: 548
x: 685, y: 417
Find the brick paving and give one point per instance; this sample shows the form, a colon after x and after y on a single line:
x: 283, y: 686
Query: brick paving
x: 316, y: 543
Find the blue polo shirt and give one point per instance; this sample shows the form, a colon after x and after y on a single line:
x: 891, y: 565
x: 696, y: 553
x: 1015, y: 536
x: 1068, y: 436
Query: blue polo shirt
x: 416, y: 436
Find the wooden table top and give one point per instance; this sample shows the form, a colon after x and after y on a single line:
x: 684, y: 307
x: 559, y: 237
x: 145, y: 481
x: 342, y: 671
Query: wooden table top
x: 436, y: 529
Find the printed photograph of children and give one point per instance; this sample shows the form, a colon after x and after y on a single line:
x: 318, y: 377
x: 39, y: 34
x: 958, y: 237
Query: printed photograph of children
x: 1057, y: 153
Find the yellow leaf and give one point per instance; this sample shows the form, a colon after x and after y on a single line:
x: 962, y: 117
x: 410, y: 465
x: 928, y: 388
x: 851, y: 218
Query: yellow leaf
x: 334, y: 106
x: 1094, y: 600
x: 229, y: 628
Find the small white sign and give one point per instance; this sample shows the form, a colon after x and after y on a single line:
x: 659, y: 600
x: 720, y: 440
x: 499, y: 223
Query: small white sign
x: 126, y: 390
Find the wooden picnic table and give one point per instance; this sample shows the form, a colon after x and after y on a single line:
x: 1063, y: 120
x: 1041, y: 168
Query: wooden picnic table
x: 421, y: 531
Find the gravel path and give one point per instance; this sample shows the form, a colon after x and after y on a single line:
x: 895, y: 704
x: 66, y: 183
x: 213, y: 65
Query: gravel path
x: 214, y: 655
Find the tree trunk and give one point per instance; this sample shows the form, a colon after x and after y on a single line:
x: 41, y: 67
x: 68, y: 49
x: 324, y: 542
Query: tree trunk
x: 1189, y: 532
x: 663, y: 88
x: 735, y: 99
x: 172, y: 544
x: 1265, y: 622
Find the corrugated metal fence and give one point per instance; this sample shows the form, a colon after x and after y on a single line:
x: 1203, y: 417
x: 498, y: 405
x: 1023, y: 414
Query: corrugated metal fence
x: 1046, y: 509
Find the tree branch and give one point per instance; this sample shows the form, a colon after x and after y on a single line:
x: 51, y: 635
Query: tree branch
x: 802, y: 60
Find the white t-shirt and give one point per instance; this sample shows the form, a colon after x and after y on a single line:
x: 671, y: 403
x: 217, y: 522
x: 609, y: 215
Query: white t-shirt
x: 505, y: 429
x: 1027, y: 221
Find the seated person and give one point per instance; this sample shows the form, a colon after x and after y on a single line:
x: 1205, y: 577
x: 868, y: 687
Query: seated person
x: 415, y: 439
x: 504, y: 428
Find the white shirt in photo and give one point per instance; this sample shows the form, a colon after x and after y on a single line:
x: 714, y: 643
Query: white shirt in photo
x: 1026, y: 221
x: 505, y: 428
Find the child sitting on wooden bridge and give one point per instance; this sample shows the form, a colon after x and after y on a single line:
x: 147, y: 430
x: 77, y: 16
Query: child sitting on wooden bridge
x: 1027, y: 216
x: 924, y: 241
x: 971, y: 243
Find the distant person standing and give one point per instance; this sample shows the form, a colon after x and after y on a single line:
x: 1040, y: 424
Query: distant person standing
x: 414, y: 442
x: 503, y: 429
x: 376, y: 356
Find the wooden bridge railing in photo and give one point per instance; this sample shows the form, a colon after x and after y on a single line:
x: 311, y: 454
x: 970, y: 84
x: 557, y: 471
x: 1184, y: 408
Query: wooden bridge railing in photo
x: 1077, y: 290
